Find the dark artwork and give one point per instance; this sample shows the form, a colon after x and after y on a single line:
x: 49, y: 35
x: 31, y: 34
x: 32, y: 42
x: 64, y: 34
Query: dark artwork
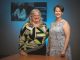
x: 20, y: 11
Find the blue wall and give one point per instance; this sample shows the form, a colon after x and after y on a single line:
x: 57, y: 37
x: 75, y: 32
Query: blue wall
x: 9, y: 30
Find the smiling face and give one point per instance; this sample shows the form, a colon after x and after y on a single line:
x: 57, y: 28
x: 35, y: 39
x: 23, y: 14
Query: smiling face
x: 35, y: 15
x: 58, y: 12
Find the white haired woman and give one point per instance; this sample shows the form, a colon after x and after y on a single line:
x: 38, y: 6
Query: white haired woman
x: 33, y: 35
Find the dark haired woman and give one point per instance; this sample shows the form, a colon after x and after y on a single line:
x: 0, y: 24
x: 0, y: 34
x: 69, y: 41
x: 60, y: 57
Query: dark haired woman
x: 59, y: 35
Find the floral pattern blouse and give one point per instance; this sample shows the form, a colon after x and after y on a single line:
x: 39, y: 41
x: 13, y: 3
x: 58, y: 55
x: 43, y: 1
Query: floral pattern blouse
x: 57, y: 39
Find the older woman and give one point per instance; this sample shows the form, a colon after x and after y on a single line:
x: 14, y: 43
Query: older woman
x: 59, y: 35
x: 33, y: 35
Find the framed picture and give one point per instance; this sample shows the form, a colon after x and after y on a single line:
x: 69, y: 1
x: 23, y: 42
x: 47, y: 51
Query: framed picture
x: 21, y: 11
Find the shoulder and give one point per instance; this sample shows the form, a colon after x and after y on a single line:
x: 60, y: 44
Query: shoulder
x: 53, y: 23
x: 43, y: 24
x: 28, y: 24
x: 66, y: 23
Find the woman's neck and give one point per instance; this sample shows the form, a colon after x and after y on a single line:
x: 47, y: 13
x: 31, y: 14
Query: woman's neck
x: 58, y: 19
x: 36, y: 24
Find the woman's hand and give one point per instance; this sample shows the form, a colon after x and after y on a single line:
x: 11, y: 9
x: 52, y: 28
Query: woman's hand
x: 23, y: 53
x: 62, y: 54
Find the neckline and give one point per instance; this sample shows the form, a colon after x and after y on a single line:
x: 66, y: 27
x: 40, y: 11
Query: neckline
x: 62, y: 20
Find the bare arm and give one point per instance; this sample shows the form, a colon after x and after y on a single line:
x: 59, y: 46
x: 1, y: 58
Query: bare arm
x: 66, y: 28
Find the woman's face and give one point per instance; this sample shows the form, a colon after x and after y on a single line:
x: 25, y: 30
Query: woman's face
x: 36, y: 17
x: 58, y: 12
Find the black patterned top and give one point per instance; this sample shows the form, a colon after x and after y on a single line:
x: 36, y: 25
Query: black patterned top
x: 32, y: 38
